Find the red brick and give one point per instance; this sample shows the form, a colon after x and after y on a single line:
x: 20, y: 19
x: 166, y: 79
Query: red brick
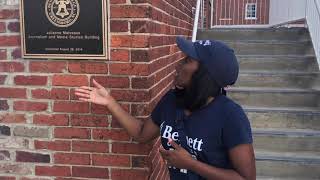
x: 69, y: 133
x: 9, y: 40
x: 55, y: 93
x: 119, y: 26
x: 33, y: 178
x: 72, y: 158
x: 9, y: 14
x: 129, y: 69
x: 65, y: 178
x: 70, y: 80
x: 16, y: 53
x: 30, y: 106
x: 140, y: 27
x: 3, y: 54
x: 131, y: 148
x: 40, y: 93
x: 119, y: 55
x: 114, y: 134
x: 7, y: 178
x: 112, y: 82
x: 48, y: 66
x: 2, y: 27
x: 156, y: 53
x: 89, y: 121
x: 140, y: 56
x: 120, y: 174
x: 141, y: 109
x: 129, y: 11
x: 133, y: 41
x: 2, y: 79
x: 22, y: 156
x: 118, y: 1
x: 89, y: 146
x: 165, y: 61
x: 4, y: 105
x: 142, y: 82
x: 111, y: 160
x: 5, y: 155
x: 71, y: 107
x: 88, y: 67
x: 141, y: 161
x: 51, y: 120
x: 53, y: 145
x: 90, y: 172
x: 14, y: 26
x: 13, y: 93
x: 12, y: 118
x: 99, y: 109
x: 161, y: 40
x: 59, y: 94
x: 140, y: 1
x: 161, y: 5
x: 157, y: 166
x: 131, y: 96
x: 11, y: 67
x: 30, y: 80
x: 52, y: 171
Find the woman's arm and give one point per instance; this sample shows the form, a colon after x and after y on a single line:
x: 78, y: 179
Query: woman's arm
x: 241, y: 156
x: 140, y: 131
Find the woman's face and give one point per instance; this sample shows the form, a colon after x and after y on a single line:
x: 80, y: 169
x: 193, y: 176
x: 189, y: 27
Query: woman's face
x: 184, y: 72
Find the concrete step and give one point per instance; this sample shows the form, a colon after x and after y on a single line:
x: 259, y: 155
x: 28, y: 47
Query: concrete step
x: 278, y: 70
x: 284, y: 166
x: 265, y: 34
x: 277, y: 79
x: 271, y: 48
x: 303, y: 118
x: 306, y: 157
x: 270, y: 97
x: 287, y: 140
x: 278, y: 63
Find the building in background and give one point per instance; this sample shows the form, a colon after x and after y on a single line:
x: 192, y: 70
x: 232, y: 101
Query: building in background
x: 240, y: 12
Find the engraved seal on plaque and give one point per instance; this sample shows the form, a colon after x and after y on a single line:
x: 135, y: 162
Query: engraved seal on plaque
x: 62, y: 13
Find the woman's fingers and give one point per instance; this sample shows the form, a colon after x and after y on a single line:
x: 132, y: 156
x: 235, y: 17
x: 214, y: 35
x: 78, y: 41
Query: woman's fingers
x: 96, y: 84
x: 83, y: 95
x: 86, y: 88
x: 83, y: 91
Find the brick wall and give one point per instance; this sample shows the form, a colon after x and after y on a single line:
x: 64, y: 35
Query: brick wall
x: 47, y: 134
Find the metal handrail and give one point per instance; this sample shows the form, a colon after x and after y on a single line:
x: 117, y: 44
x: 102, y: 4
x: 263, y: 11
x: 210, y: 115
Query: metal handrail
x: 196, y: 21
x: 317, y: 6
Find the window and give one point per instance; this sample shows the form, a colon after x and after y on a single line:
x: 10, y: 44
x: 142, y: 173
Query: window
x: 251, y: 11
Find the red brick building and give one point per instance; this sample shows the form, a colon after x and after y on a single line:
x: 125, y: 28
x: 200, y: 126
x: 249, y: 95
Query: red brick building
x: 240, y: 12
x: 48, y: 134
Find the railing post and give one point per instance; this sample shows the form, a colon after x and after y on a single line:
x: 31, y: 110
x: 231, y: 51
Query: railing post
x: 196, y: 21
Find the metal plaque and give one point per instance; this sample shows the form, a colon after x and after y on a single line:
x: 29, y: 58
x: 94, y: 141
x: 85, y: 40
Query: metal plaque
x: 64, y: 29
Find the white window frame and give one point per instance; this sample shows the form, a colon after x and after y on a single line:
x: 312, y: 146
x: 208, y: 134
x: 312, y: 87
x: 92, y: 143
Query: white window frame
x: 246, y: 11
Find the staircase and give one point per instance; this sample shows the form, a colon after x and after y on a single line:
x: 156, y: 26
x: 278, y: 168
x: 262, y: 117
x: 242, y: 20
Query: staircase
x: 278, y: 70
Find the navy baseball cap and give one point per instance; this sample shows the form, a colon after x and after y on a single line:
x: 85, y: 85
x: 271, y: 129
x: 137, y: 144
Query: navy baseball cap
x: 216, y: 56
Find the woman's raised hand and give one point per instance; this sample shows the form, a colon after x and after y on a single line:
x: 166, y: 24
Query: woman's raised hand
x: 97, y: 94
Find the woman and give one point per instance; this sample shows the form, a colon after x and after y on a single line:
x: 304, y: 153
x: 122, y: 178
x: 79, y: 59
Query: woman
x: 204, y: 134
